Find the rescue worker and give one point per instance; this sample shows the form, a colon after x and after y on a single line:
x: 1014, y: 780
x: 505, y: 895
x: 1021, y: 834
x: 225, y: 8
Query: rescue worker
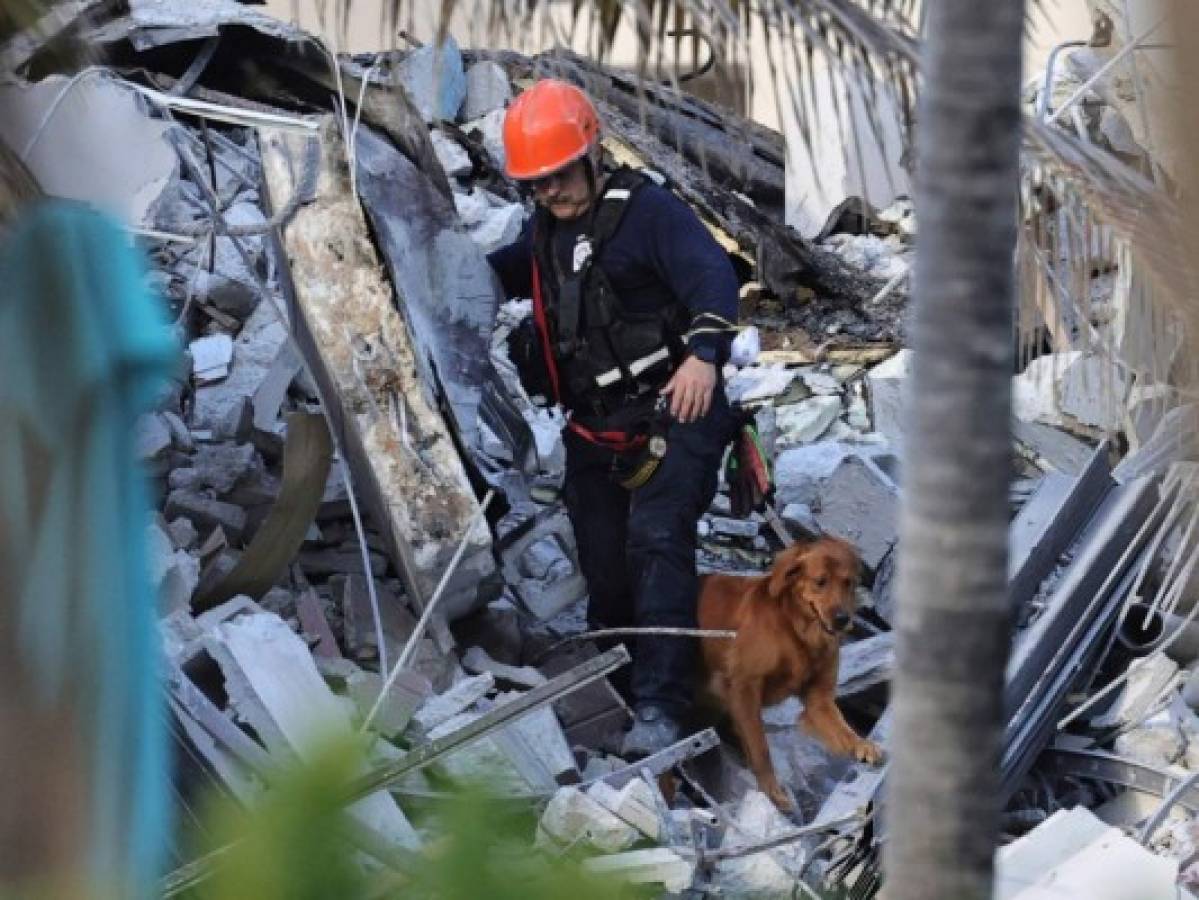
x: 634, y: 311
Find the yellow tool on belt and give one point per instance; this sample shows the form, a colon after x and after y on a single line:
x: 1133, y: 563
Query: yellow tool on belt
x: 634, y: 468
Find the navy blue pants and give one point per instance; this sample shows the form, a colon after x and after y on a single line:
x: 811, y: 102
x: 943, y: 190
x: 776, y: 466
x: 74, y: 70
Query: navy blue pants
x: 637, y: 548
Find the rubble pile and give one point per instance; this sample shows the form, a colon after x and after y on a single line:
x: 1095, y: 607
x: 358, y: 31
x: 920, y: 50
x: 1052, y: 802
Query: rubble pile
x: 347, y: 396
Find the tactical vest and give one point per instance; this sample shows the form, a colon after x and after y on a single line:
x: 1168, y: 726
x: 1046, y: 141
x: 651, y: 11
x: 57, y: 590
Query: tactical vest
x: 605, y: 363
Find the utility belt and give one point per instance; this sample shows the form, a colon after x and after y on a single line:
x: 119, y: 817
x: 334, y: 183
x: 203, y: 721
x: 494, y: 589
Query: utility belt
x: 636, y: 435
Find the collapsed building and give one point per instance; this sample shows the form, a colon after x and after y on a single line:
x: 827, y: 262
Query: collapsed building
x: 359, y: 519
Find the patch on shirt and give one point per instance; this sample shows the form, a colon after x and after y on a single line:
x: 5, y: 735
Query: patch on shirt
x: 582, y: 252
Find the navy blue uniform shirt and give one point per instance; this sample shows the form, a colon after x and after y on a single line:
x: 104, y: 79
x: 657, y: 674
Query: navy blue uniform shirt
x: 660, y: 252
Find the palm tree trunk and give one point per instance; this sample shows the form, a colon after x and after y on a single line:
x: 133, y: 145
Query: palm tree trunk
x: 943, y: 806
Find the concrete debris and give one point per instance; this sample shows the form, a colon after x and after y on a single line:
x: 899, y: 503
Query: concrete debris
x: 886, y: 381
x: 658, y: 866
x: 58, y: 123
x: 802, y: 423
x: 860, y: 503
x: 634, y: 804
x: 1073, y: 854
x: 487, y: 90
x: 573, y: 817
x: 274, y: 686
x: 211, y: 357
x: 761, y: 875
x: 477, y: 661
x: 434, y: 80
x: 440, y: 709
x: 490, y: 130
x: 206, y: 513
x: 152, y: 439
x: 391, y: 328
x: 1136, y: 699
x: 824, y: 178
x: 1158, y: 745
x: 450, y: 154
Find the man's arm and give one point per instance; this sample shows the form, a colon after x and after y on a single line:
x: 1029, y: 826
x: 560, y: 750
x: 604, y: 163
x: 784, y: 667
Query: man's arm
x: 514, y: 264
x: 699, y: 273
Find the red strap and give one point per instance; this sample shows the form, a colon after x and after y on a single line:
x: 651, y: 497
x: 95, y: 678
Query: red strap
x: 543, y: 330
x: 614, y: 440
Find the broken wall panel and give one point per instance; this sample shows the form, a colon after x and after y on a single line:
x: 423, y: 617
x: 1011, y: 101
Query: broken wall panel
x: 445, y: 286
x: 401, y: 451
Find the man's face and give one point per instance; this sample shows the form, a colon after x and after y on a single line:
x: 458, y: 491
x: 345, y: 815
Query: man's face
x: 565, y: 193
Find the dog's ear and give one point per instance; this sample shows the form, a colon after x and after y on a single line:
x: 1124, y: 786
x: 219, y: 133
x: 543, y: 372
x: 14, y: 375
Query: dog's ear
x: 788, y: 567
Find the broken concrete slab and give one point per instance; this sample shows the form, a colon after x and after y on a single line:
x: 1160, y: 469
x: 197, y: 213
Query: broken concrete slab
x: 407, y: 692
x: 887, y: 385
x: 1158, y: 745
x: 573, y: 818
x: 804, y: 422
x: 453, y: 158
x: 1051, y: 448
x: 206, y: 513
x: 183, y: 533
x: 433, y: 78
x: 756, y: 383
x: 634, y: 803
x: 658, y: 866
x: 152, y: 440
x: 537, y: 746
x: 476, y: 660
x: 274, y: 685
x: 760, y: 874
x: 1074, y: 854
x: 211, y: 357
x: 860, y: 503
x: 487, y: 90
x: 1145, y: 685
x: 490, y: 130
x: 59, y: 121
x: 227, y: 405
x: 438, y: 710
x: 357, y: 346
x: 853, y: 160
x: 217, y: 466
x: 272, y: 390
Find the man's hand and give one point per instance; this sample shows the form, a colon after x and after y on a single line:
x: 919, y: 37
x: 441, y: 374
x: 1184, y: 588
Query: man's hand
x: 690, y: 389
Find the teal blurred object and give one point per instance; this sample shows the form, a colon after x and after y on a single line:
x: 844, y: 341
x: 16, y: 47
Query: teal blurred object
x: 83, y: 351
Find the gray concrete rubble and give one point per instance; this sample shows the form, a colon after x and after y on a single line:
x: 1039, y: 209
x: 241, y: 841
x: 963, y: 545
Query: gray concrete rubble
x: 300, y: 289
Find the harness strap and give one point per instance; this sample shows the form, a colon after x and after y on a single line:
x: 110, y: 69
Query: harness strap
x: 614, y: 440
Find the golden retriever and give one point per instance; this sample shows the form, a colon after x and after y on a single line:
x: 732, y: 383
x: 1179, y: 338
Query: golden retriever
x: 789, y: 623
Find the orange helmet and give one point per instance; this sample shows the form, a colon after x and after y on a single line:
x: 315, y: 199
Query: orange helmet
x: 548, y: 126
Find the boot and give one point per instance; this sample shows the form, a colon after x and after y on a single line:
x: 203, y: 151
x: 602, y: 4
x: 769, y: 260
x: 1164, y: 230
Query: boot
x: 653, y: 730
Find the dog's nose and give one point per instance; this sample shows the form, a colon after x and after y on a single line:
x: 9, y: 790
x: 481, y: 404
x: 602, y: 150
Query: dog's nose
x: 841, y: 620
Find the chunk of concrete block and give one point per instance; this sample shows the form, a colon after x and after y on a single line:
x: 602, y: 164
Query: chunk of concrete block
x: 800, y: 471
x: 437, y: 710
x: 151, y: 439
x: 453, y: 158
x: 273, y: 684
x: 206, y: 513
x: 1092, y: 392
x: 634, y: 803
x: 254, y: 352
x: 658, y: 866
x: 408, y: 691
x: 537, y: 746
x: 487, y: 90
x: 572, y: 818
x: 1157, y: 745
x: 1147, y: 679
x: 434, y: 80
x: 755, y: 383
x: 476, y: 660
x: 886, y: 382
x: 183, y: 533
x: 490, y: 129
x: 859, y: 503
x: 217, y: 466
x: 211, y: 357
x: 760, y: 874
x: 499, y: 226
x: 806, y: 421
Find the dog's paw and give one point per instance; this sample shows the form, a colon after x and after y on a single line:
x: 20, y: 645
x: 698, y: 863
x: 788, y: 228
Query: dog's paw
x: 868, y: 752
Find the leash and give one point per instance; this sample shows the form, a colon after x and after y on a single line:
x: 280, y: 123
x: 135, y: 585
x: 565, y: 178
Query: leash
x: 624, y: 632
